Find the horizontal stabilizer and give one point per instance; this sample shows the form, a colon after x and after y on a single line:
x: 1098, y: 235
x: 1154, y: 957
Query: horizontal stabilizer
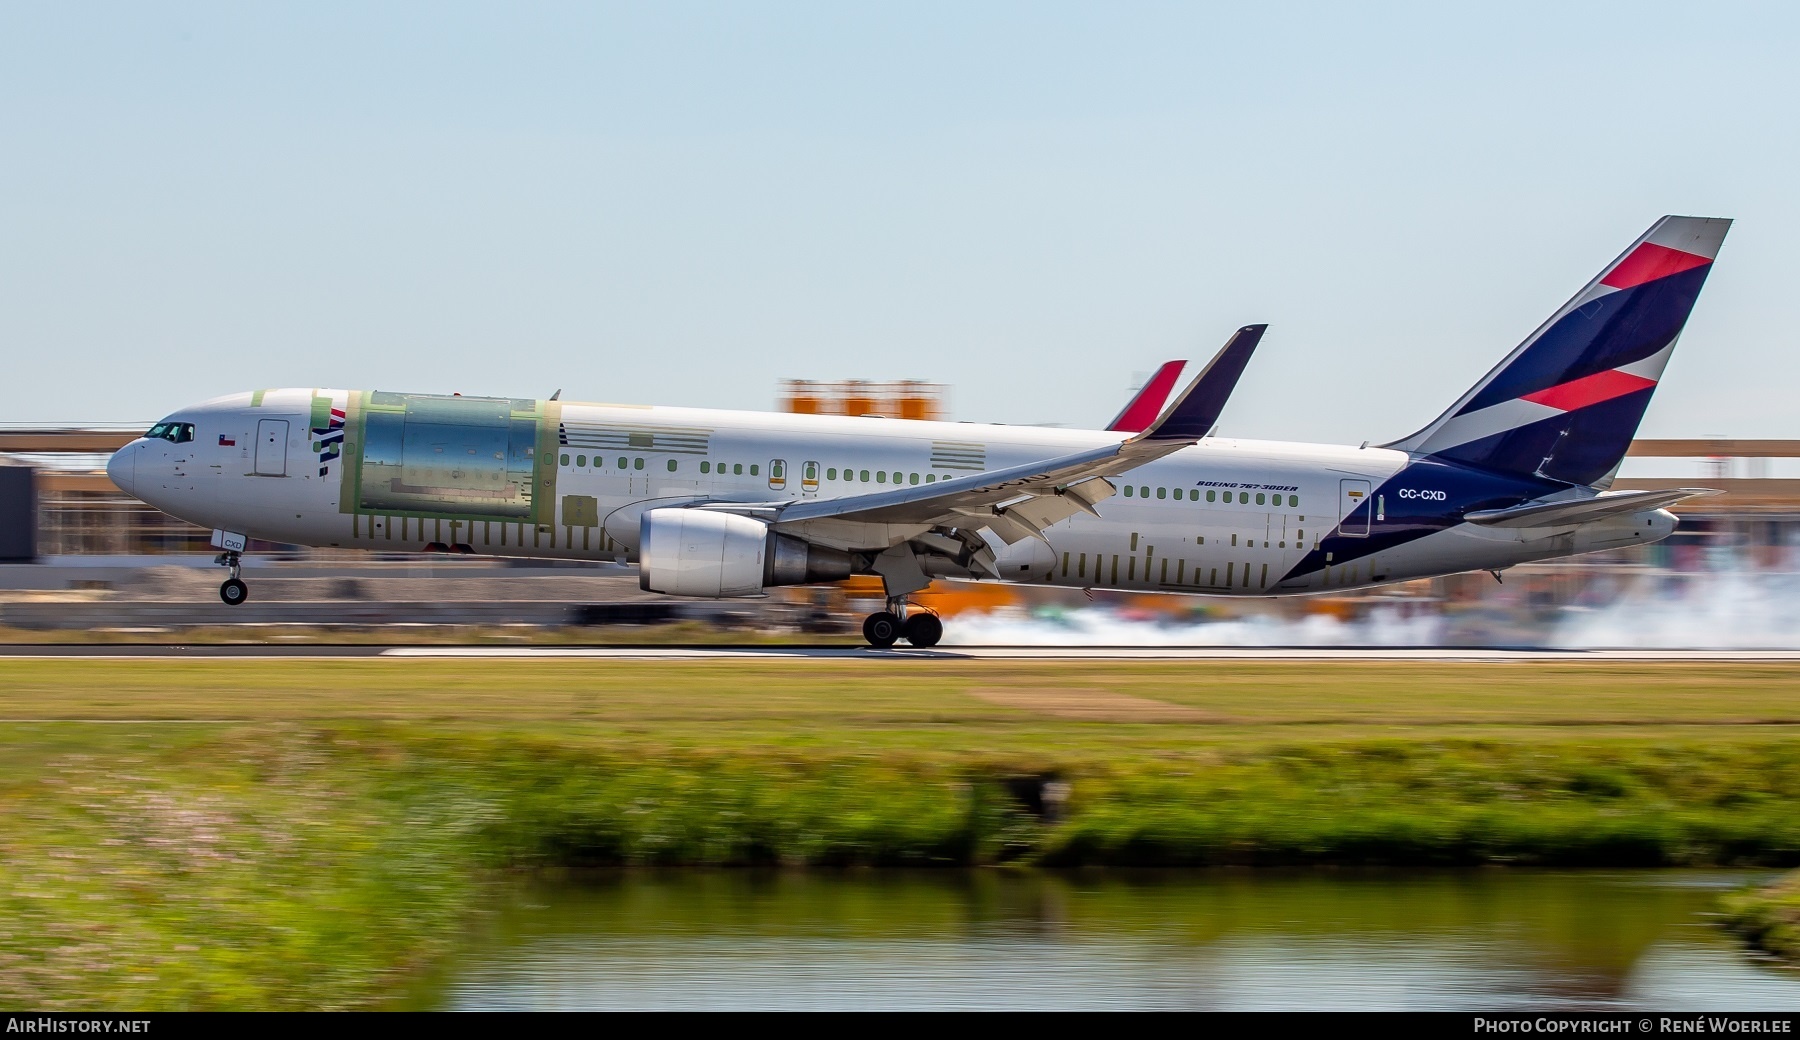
x: 1584, y: 510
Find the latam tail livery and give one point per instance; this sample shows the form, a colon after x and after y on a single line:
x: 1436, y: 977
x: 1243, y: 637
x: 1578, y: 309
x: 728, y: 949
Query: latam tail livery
x: 728, y: 504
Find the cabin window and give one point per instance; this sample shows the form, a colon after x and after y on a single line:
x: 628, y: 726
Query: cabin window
x: 737, y: 469
x: 549, y: 457
x: 671, y: 465
x: 622, y: 463
x: 637, y: 463
x: 881, y: 476
x: 753, y: 469
x: 899, y: 478
x: 564, y: 461
x: 865, y: 476
x: 912, y: 478
x: 1294, y: 501
x: 1143, y: 492
x: 931, y: 478
x: 1162, y: 492
x: 831, y: 474
x: 706, y: 467
x: 1259, y: 498
x: 581, y: 461
x: 1129, y: 491
x: 1210, y: 494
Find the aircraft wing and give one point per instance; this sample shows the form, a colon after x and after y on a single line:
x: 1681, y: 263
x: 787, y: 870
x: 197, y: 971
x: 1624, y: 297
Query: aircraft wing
x: 1147, y: 403
x: 1020, y: 501
x: 1585, y: 510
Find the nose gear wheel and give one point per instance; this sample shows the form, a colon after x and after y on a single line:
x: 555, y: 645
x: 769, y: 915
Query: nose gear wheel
x: 233, y: 592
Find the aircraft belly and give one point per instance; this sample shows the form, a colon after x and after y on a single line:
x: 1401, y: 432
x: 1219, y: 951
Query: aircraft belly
x: 1464, y: 547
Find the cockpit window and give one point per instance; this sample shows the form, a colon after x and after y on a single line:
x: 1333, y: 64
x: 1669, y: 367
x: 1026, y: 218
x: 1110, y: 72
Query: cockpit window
x: 173, y: 432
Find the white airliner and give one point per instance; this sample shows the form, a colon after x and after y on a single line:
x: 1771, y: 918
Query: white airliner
x: 728, y: 504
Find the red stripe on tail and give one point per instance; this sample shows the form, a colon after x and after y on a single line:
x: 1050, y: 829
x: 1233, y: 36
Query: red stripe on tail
x: 1579, y: 393
x: 1648, y: 262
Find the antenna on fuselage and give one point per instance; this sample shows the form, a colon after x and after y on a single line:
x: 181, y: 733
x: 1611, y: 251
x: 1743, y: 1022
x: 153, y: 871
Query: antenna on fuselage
x: 558, y: 395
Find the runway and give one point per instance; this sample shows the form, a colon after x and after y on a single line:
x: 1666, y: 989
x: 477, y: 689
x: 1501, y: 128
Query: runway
x: 862, y: 653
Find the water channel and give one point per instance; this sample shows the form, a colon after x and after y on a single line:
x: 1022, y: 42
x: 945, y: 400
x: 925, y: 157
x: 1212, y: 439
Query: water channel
x: 1492, y: 939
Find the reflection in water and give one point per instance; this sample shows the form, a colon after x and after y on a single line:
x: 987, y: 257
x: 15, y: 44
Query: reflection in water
x: 1225, y: 940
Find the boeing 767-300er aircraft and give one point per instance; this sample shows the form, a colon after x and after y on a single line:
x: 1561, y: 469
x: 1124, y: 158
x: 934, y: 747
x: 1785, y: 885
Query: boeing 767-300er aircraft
x: 727, y: 504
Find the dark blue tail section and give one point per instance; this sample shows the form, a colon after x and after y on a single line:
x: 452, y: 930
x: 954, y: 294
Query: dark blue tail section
x: 1566, y: 403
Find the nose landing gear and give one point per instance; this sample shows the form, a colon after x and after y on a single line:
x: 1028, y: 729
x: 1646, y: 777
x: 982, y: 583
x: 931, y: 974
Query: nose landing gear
x: 233, y: 591
x: 884, y: 628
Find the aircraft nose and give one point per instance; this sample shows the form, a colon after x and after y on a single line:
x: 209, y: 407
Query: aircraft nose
x: 122, y: 467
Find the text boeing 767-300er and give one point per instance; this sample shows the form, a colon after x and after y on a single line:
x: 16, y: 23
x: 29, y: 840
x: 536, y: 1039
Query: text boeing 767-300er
x: 727, y: 504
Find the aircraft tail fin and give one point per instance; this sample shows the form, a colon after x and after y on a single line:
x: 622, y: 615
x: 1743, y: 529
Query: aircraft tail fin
x: 1566, y: 403
x: 1147, y: 403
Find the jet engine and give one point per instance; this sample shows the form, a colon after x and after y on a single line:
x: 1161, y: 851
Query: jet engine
x: 701, y: 552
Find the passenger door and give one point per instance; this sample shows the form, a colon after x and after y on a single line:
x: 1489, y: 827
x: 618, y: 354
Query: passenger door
x: 271, y: 447
x: 1353, y: 494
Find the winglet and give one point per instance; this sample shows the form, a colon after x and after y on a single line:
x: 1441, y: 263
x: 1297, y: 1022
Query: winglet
x: 1196, y: 411
x: 1147, y: 403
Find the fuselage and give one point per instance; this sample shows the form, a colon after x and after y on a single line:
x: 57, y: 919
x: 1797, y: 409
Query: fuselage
x: 563, y: 480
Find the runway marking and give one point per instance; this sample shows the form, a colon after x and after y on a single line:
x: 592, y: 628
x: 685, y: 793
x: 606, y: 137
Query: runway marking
x: 774, y: 653
x: 1090, y: 704
x: 1100, y: 653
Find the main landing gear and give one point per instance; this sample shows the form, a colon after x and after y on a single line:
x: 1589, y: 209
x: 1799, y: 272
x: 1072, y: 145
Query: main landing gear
x: 234, y: 591
x: 919, y: 627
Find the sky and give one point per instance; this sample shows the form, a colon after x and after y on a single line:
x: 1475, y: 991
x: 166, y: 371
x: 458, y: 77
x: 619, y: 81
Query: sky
x: 1035, y: 203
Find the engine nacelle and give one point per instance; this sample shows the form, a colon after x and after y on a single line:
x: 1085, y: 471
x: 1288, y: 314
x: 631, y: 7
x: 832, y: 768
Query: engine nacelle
x: 701, y: 552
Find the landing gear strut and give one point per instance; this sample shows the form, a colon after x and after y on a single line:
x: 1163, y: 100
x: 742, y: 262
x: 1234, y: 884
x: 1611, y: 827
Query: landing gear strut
x: 884, y: 628
x: 233, y: 591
